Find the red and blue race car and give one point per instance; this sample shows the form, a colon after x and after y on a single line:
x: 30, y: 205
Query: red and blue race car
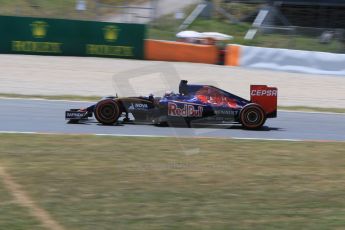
x: 193, y: 104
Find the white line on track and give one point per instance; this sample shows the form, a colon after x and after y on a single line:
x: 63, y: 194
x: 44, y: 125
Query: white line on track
x: 312, y: 112
x: 16, y: 132
x: 43, y: 99
x: 167, y: 136
x: 268, y: 139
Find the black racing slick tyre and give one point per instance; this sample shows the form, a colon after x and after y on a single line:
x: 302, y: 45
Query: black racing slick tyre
x: 107, y: 111
x: 252, y: 116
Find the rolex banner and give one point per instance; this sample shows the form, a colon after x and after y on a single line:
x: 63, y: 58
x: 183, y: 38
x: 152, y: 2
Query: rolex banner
x: 24, y: 35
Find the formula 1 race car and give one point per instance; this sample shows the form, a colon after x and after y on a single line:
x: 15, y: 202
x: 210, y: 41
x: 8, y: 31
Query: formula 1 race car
x: 193, y: 104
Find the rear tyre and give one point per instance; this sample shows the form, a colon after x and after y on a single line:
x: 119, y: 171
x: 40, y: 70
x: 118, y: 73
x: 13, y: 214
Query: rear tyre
x: 107, y: 111
x: 252, y: 116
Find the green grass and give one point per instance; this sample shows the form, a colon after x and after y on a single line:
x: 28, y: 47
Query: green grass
x: 13, y: 216
x: 89, y: 182
x: 296, y: 42
x: 312, y: 109
x: 166, y: 29
x: 57, y: 9
x: 237, y: 10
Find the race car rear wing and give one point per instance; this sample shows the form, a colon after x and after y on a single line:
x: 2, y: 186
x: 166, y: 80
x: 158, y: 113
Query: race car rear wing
x: 265, y: 96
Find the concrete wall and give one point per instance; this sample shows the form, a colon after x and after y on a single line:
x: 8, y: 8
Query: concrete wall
x: 287, y: 60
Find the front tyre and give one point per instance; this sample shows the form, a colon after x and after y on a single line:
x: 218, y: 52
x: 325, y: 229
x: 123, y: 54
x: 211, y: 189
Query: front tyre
x: 107, y: 111
x: 252, y: 116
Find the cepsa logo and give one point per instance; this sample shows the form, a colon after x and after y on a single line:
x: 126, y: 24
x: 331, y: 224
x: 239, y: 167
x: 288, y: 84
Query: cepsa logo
x: 186, y: 111
x: 262, y: 92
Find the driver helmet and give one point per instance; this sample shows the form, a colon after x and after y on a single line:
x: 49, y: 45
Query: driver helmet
x: 168, y: 93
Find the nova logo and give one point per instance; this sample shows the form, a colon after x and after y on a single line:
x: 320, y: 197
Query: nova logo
x: 110, y: 33
x: 39, y: 29
x: 138, y: 106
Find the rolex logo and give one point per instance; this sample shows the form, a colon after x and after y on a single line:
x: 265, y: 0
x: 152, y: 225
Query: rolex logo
x: 110, y: 33
x: 39, y: 29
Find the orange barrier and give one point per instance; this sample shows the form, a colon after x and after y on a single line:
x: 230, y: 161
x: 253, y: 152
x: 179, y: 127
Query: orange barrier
x: 180, y: 51
x: 232, y: 56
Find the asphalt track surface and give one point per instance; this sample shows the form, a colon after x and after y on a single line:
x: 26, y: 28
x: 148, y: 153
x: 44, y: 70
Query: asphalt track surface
x: 44, y: 116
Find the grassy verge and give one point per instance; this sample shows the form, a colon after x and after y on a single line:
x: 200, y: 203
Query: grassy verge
x: 60, y: 9
x: 96, y: 98
x: 13, y: 216
x: 89, y: 182
x: 312, y: 109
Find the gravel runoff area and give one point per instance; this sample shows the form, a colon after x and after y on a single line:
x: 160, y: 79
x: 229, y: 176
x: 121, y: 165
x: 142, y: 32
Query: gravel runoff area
x: 87, y: 76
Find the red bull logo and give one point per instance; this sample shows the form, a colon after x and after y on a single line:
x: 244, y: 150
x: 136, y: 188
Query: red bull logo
x: 186, y: 111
